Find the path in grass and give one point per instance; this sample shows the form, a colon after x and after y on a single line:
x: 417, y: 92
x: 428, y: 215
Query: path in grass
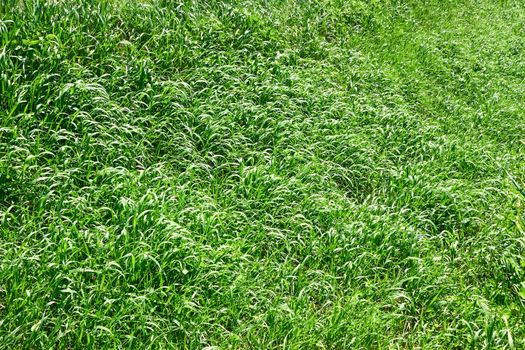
x: 262, y: 174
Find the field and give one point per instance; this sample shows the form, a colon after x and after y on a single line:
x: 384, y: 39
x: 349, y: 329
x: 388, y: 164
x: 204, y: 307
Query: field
x: 262, y: 174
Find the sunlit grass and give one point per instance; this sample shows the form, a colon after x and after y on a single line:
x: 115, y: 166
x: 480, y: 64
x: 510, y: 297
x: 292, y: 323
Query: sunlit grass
x: 262, y: 174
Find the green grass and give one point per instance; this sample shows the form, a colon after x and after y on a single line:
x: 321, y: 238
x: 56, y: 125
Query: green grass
x: 262, y: 174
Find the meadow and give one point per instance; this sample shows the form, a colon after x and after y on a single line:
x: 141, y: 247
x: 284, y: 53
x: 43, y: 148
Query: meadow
x: 262, y: 174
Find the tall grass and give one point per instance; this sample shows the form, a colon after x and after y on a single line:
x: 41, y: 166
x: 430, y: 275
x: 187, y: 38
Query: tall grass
x: 261, y: 174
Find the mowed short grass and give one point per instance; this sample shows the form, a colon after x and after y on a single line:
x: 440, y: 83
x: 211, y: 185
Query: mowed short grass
x: 262, y: 174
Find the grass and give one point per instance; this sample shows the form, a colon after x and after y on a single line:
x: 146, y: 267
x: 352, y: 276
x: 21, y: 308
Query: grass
x: 262, y: 174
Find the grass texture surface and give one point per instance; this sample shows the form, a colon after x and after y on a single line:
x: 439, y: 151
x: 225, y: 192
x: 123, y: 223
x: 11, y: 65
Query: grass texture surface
x: 262, y: 174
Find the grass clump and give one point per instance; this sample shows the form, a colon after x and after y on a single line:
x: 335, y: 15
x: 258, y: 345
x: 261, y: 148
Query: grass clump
x: 261, y: 174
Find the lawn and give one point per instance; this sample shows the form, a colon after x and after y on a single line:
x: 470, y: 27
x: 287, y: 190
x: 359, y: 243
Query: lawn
x: 262, y: 174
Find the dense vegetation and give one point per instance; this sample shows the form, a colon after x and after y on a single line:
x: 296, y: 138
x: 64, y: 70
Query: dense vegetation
x: 262, y: 174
